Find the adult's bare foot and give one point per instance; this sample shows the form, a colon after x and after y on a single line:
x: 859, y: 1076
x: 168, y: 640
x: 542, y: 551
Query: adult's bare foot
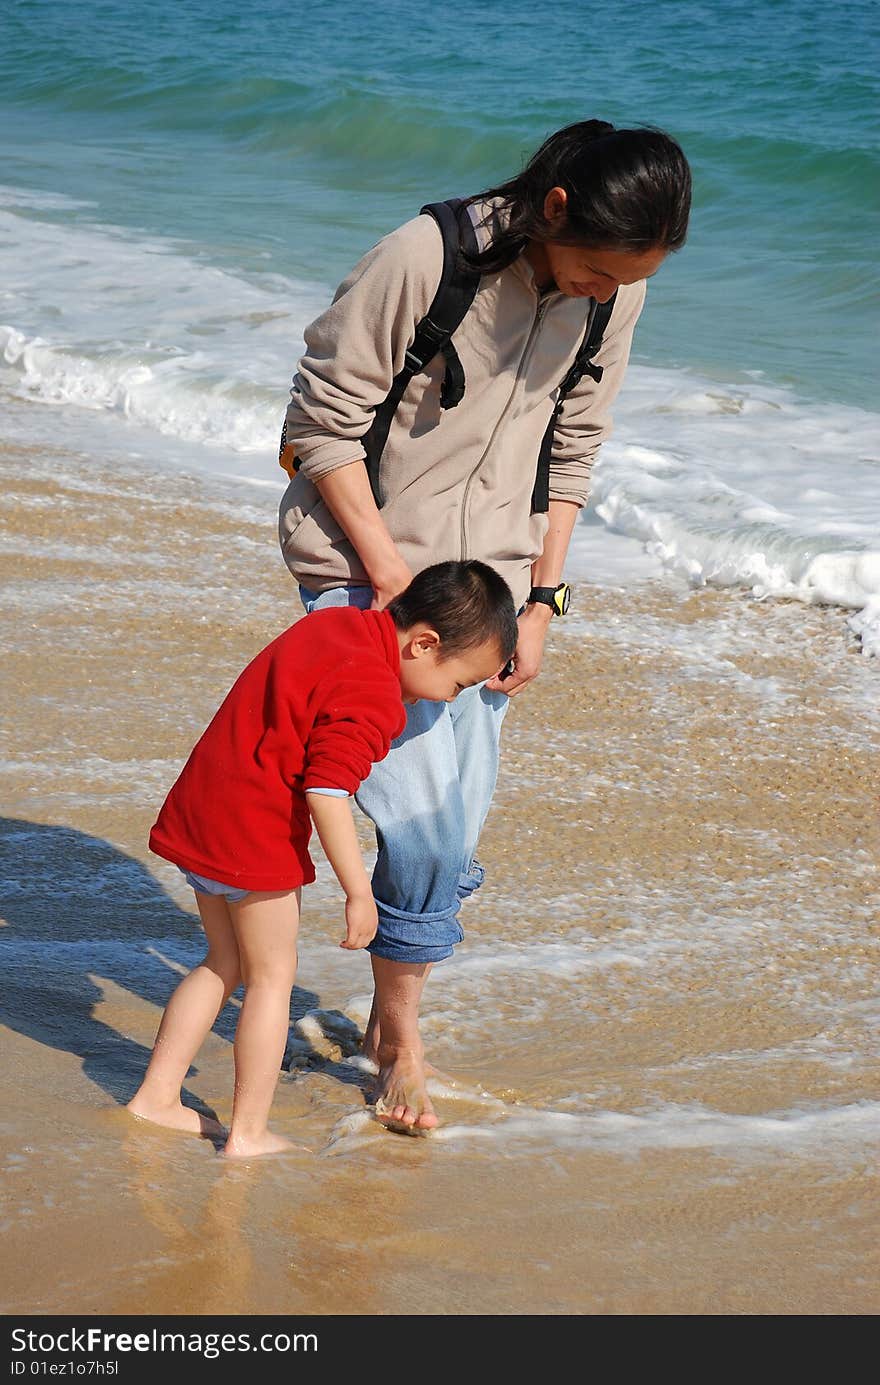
x: 176, y: 1116
x: 370, y: 1046
x: 401, y: 1100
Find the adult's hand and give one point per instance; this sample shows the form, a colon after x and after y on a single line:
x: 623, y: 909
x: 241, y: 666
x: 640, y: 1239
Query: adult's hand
x: 349, y: 498
x: 529, y: 654
x: 390, y: 582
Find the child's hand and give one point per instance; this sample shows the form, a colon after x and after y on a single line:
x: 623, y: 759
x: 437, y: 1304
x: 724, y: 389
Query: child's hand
x: 361, y: 921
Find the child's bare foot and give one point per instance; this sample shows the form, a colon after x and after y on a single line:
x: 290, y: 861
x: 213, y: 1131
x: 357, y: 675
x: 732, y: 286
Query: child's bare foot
x: 250, y: 1146
x: 401, y: 1101
x: 176, y: 1116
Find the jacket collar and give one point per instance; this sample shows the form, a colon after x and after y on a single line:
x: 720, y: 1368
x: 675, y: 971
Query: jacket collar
x: 490, y: 215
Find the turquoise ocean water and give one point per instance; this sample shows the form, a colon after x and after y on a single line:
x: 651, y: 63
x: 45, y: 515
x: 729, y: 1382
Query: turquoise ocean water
x: 183, y: 187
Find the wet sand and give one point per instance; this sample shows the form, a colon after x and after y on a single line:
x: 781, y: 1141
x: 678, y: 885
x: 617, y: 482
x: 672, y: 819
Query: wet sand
x: 697, y: 762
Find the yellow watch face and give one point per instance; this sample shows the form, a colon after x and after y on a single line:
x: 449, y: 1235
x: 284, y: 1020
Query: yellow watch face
x: 561, y: 598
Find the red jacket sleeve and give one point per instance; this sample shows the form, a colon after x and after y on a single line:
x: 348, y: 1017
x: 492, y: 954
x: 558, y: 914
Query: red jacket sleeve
x: 360, y: 713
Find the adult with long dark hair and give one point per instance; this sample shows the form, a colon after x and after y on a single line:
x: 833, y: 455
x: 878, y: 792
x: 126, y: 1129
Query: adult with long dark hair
x: 593, y: 215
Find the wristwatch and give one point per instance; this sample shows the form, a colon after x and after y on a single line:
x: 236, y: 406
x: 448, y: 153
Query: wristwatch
x: 557, y: 598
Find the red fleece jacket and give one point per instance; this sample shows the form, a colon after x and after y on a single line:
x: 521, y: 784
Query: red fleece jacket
x: 316, y: 708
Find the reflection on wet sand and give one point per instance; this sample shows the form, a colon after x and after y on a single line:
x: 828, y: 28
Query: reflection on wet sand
x: 206, y: 1262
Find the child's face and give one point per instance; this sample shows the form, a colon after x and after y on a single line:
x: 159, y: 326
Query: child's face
x: 425, y: 673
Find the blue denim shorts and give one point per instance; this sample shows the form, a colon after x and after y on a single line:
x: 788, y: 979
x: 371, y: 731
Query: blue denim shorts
x: 203, y: 885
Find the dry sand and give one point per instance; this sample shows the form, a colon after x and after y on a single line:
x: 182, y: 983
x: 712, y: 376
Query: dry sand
x: 638, y: 769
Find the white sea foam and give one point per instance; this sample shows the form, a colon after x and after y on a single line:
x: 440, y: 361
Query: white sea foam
x: 750, y: 488
x: 139, y: 328
x: 834, y: 1134
x: 830, y: 1133
x: 170, y: 357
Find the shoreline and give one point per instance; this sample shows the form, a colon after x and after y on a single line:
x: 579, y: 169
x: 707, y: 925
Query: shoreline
x: 686, y: 811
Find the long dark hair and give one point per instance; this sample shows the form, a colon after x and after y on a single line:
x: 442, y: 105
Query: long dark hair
x: 627, y: 190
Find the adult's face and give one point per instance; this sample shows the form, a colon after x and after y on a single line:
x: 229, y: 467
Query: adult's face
x: 582, y: 271
x: 585, y: 272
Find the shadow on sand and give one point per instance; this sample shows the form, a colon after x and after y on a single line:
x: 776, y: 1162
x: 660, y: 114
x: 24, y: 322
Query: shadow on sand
x: 75, y: 910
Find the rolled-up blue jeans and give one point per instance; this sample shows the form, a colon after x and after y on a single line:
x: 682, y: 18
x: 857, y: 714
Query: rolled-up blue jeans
x: 428, y: 800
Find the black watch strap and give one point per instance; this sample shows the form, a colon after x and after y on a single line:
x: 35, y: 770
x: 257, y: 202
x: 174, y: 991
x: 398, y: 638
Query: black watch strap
x: 557, y: 598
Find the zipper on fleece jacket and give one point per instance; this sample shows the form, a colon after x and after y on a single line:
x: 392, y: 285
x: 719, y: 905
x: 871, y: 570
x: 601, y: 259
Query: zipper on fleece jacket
x: 528, y: 351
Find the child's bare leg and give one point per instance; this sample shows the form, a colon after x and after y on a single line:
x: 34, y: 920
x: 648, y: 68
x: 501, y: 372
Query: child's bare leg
x: 266, y: 927
x: 400, y: 1095
x: 188, y: 1018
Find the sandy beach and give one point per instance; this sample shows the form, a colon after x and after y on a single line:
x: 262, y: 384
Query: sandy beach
x: 674, y: 1112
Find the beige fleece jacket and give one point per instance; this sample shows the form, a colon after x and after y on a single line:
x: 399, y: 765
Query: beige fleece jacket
x: 457, y: 482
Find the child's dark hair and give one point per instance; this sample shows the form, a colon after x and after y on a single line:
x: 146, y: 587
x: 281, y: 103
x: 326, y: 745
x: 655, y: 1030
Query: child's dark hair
x: 466, y: 603
x: 627, y: 190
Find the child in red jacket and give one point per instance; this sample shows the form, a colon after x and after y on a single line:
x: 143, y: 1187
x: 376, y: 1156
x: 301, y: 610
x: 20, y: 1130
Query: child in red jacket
x: 296, y: 735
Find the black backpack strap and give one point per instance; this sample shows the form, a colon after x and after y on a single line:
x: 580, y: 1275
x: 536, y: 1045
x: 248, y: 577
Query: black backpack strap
x: 455, y: 293
x: 581, y: 365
